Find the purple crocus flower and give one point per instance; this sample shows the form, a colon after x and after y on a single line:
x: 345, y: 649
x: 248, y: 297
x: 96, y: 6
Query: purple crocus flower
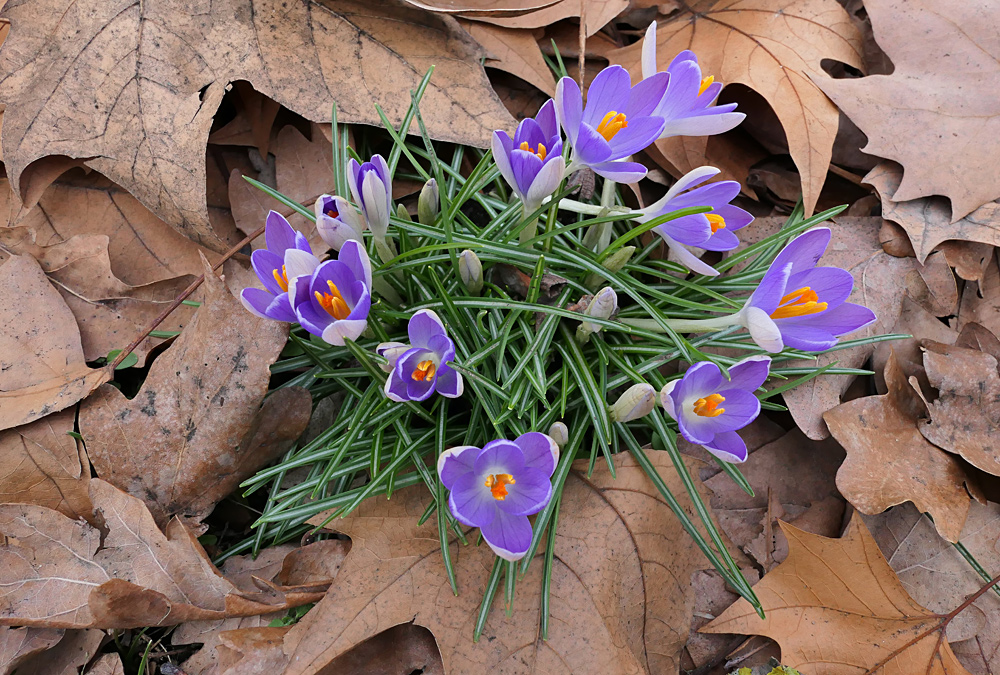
x: 335, y: 301
x: 337, y: 222
x: 687, y: 106
x: 709, y: 409
x: 371, y: 186
x: 497, y: 487
x: 801, y: 305
x: 712, y: 231
x: 287, y: 257
x: 617, y: 122
x: 531, y: 162
x: 421, y: 367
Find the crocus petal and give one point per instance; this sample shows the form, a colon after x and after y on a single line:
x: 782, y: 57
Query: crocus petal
x: 278, y: 234
x: 721, y: 240
x: 500, y: 456
x: 540, y: 451
x: 509, y: 536
x: 256, y: 301
x: 846, y: 318
x: 529, y: 493
x: 354, y: 255
x: 394, y: 388
x: 375, y: 203
x: 353, y: 170
x: 502, y: 147
x: 280, y: 309
x: 471, y: 502
x: 546, y: 182
x: 741, y: 407
x: 449, y: 382
x: 762, y: 329
x: 728, y: 446
x: 339, y: 331
x: 264, y: 264
x: 454, y: 462
x: 702, y: 125
x: 383, y: 172
x: 646, y: 95
x: 569, y: 107
x: 701, y: 379
x: 667, y: 398
x: 691, y: 179
x: 686, y: 257
x: 832, y: 284
x: 808, y: 338
x: 638, y: 135
x: 803, y: 252
x: 424, y: 325
x: 590, y: 147
x: 620, y: 171
x: 649, y: 51
x: 771, y: 289
x: 546, y: 119
x: 609, y: 89
x: 336, y: 232
x: 299, y: 263
x: 391, y: 351
x: 749, y: 374
x: 526, y: 166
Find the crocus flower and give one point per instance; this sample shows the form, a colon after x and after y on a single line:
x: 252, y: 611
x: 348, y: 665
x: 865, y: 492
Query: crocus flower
x: 335, y: 301
x: 337, y: 222
x: 421, y: 368
x: 687, y: 105
x: 709, y: 409
x: 801, y: 305
x: 531, y: 162
x: 497, y: 487
x: 617, y: 122
x: 712, y: 231
x: 287, y: 257
x: 637, y: 401
x: 371, y: 186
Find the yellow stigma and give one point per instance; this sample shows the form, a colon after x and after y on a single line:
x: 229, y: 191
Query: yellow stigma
x: 716, y: 221
x: 612, y: 123
x: 282, y: 278
x: 707, y: 407
x: 705, y: 84
x: 425, y: 371
x: 541, y: 150
x: 333, y: 302
x: 798, y: 303
x: 498, y: 485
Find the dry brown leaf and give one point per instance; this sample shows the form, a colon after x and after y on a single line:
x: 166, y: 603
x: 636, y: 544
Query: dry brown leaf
x: 596, y: 14
x: 916, y: 321
x: 42, y: 368
x: 20, y: 644
x: 109, y: 664
x: 836, y: 607
x: 774, y: 47
x: 485, y: 7
x: 933, y: 285
x: 621, y: 595
x: 965, y: 417
x: 133, y: 88
x: 44, y: 465
x: 928, y: 220
x: 182, y: 443
x: 73, y: 651
x: 929, y: 114
x: 61, y: 573
x: 981, y: 301
x: 889, y: 462
x: 514, y: 51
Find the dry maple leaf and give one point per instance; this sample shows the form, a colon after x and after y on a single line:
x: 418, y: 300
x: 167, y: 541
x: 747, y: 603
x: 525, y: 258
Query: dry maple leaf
x: 836, y: 607
x: 889, y: 462
x: 932, y: 114
x: 132, y: 86
x: 182, y: 443
x: 620, y: 602
x: 42, y: 368
x: 774, y: 47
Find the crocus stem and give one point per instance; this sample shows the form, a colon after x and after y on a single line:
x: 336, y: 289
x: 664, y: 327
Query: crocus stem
x: 385, y: 248
x: 529, y: 231
x: 686, y: 325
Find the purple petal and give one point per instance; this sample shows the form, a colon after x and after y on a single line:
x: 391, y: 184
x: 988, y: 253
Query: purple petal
x: 682, y: 91
x: 502, y: 147
x: 728, y: 446
x: 569, y: 107
x: 509, y: 536
x: 280, y: 309
x: 471, y: 501
x: 735, y: 217
x: 454, y: 462
x: 693, y: 230
x: 525, y: 166
x: 354, y: 255
x: 529, y: 493
x: 701, y: 379
x: 382, y: 168
x: 278, y: 234
x: 395, y: 387
x: 590, y: 147
x: 256, y: 301
x: 646, y: 95
x: 741, y: 407
x: 771, y: 288
x: 703, y: 125
x: 546, y: 119
x: 804, y: 251
x: 416, y: 390
x: 353, y: 176
x: 721, y: 240
x: 264, y: 263
x: 840, y: 320
x: 638, y: 135
x: 620, y: 171
x: 832, y: 284
x: 608, y: 92
x: 546, y: 181
x: 500, y: 456
x: 749, y: 374
x: 449, y: 382
x: 340, y: 331
x: 540, y: 451
x: 443, y: 347
x: 808, y: 338
x: 424, y: 325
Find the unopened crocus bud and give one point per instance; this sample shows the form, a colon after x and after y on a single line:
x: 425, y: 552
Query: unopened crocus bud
x: 402, y: 213
x: 637, y: 401
x: 602, y: 306
x: 470, y: 269
x: 337, y: 222
x: 371, y: 186
x: 615, y: 263
x: 559, y: 433
x: 429, y: 203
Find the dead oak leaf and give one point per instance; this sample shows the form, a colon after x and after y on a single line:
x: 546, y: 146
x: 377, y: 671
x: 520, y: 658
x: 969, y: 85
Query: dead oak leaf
x: 514, y: 51
x: 71, y: 651
x: 889, y: 462
x: 620, y: 601
x: 775, y: 47
x: 595, y: 14
x: 132, y: 86
x: 836, y: 607
x: 182, y: 443
x: 931, y: 114
x: 42, y: 368
x: 20, y: 644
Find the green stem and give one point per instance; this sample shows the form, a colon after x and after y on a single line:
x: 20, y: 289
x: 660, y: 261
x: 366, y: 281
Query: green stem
x: 686, y: 325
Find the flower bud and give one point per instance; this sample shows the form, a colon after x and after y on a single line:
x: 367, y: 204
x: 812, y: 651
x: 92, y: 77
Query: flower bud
x: 337, y: 222
x: 470, y: 269
x: 615, y: 263
x: 637, y: 401
x: 402, y: 213
x: 559, y: 433
x: 429, y: 203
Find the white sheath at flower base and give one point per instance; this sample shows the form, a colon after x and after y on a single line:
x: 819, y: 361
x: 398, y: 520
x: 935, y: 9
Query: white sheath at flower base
x: 637, y: 401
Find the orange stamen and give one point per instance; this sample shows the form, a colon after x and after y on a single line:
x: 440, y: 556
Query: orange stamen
x: 498, y: 485
x: 281, y: 279
x: 716, y: 221
x: 332, y: 212
x: 798, y: 303
x: 708, y: 406
x: 541, y: 150
x: 612, y: 123
x: 333, y: 302
x: 705, y: 84
x: 425, y: 371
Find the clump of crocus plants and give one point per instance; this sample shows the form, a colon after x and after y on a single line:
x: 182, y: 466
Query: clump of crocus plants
x: 445, y: 373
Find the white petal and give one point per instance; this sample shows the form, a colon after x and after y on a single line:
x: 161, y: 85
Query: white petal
x: 763, y: 329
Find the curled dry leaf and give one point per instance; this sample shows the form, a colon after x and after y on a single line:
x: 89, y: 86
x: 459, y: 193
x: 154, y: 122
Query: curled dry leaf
x: 182, y: 443
x: 109, y: 664
x: 916, y: 321
x: 930, y: 114
x: 514, y: 51
x: 889, y: 462
x: 133, y: 88
x: 928, y: 220
x: 836, y: 607
x: 42, y: 368
x: 17, y: 645
x: 595, y: 14
x: 775, y: 47
x: 981, y: 301
x: 73, y: 650
x: 60, y: 573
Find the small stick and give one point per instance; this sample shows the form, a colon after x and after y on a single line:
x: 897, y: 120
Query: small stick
x: 181, y: 298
